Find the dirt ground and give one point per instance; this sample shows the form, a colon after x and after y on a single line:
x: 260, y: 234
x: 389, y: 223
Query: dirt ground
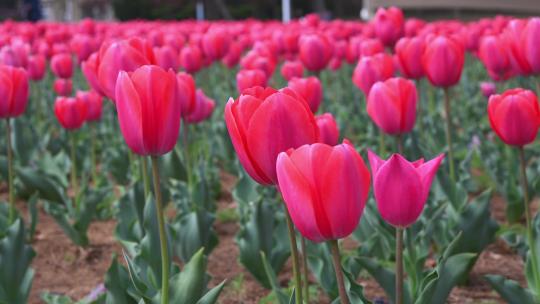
x: 63, y: 268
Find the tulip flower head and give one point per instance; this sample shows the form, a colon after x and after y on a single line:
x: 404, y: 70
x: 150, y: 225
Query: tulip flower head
x: 14, y: 91
x: 246, y: 79
x: 315, y: 51
x: 204, y: 106
x: 401, y: 188
x: 328, y: 129
x: 488, y: 88
x: 310, y: 89
x: 62, y: 65
x: 291, y: 69
x: 371, y: 69
x: 191, y: 59
x: 36, y: 67
x: 389, y: 24
x: 94, y: 103
x: 70, y: 112
x: 325, y: 189
x: 62, y: 87
x: 443, y: 61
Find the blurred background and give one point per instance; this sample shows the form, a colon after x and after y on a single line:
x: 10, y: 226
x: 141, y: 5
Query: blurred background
x: 73, y: 10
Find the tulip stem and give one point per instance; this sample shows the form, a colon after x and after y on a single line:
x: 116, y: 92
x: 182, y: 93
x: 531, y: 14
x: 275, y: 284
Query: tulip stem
x: 334, y: 247
x: 11, y: 195
x: 399, y: 266
x: 530, y: 239
x: 382, y: 148
x: 93, y: 154
x: 449, y: 134
x: 185, y: 140
x: 162, y: 235
x: 419, y: 107
x: 537, y: 85
x: 294, y: 253
x: 399, y: 139
x: 305, y: 268
x: 74, y: 186
x: 146, y: 180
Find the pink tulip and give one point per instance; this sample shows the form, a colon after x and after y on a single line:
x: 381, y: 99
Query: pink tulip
x: 488, y: 88
x: 14, y: 91
x: 443, y: 61
x: 37, y: 67
x: 315, y: 51
x: 89, y: 69
x: 408, y: 52
x: 70, y: 112
x: 325, y: 189
x: 246, y: 79
x: 166, y: 57
x: 389, y: 25
x: 204, y: 106
x: 186, y: 92
x: 93, y: 103
x: 401, y: 188
x: 328, y: 129
x: 310, y: 89
x: 191, y: 59
x: 371, y: 69
x: 62, y: 65
x: 291, y: 69
x: 530, y: 40
x: 62, y: 86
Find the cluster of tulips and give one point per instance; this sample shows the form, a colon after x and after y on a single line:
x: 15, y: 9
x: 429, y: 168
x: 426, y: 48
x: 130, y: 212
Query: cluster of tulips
x: 146, y: 70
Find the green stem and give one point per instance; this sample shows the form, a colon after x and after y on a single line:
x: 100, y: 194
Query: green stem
x: 146, y: 180
x: 399, y: 139
x: 419, y: 107
x: 11, y: 195
x: 537, y: 85
x: 449, y: 135
x: 187, y: 161
x: 74, y: 186
x: 93, y: 152
x: 305, y: 268
x: 382, y: 145
x: 162, y: 235
x: 399, y: 266
x: 528, y: 219
x: 294, y: 253
x: 334, y: 247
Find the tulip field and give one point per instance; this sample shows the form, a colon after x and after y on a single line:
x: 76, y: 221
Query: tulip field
x: 315, y: 161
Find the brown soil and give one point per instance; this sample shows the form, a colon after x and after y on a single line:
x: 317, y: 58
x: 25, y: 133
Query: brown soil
x: 63, y: 268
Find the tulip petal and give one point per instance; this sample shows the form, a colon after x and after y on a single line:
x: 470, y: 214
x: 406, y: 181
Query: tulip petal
x: 427, y: 172
x: 128, y: 106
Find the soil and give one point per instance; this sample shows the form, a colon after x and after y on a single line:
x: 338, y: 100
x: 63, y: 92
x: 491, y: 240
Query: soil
x: 63, y: 268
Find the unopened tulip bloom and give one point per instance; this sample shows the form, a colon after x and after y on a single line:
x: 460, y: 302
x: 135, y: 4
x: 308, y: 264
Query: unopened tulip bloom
x: 408, y: 53
x: 310, y: 89
x: 371, y: 69
x: 204, y: 106
x: 62, y: 87
x: 264, y: 122
x: 94, y: 103
x: 191, y: 59
x: 166, y: 57
x: 148, y: 109
x: 401, y: 188
x: 291, y: 69
x: 36, y: 67
x: 89, y: 69
x: 315, y: 51
x: 70, y: 112
x: 494, y: 52
x: 14, y: 91
x: 515, y: 116
x: 488, y: 88
x: 215, y: 43
x: 370, y: 47
x: 246, y: 79
x: 62, y: 65
x: 389, y: 24
x: 328, y: 129
x: 233, y: 55
x: 325, y: 189
x: 186, y: 92
x: 392, y: 105
x: 530, y: 40
x: 443, y: 61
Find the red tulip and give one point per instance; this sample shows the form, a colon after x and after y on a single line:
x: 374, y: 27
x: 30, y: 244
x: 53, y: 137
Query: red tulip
x: 310, y: 89
x: 191, y: 59
x: 515, y: 116
x: 149, y: 109
x: 328, y: 129
x: 233, y: 55
x: 89, y: 69
x: 371, y: 69
x: 204, y: 106
x: 392, y: 105
x: 14, y: 91
x: 325, y: 189
x: 256, y: 61
x: 413, y: 26
x: 264, y: 122
x: 488, y: 88
x: 315, y: 51
x: 335, y: 64
x: 530, y: 40
x: 494, y: 53
x: 166, y: 57
x: 370, y: 47
x: 36, y: 67
x: 14, y: 56
x: 186, y: 92
x: 389, y: 25
x: 408, y: 52
x: 62, y: 65
x: 401, y: 188
x: 512, y: 34
x: 215, y: 43
x: 93, y: 103
x: 246, y: 79
x: 70, y: 112
x: 83, y: 46
x: 291, y: 69
x: 443, y: 61
x: 62, y: 86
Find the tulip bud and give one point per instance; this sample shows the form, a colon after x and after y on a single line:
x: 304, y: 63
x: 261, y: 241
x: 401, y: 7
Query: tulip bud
x: 166, y: 57
x: 408, y: 52
x: 14, y: 90
x: 494, y: 54
x: 328, y: 129
x: 246, y: 79
x: 36, y: 67
x: 401, y: 188
x: 191, y: 59
x: 315, y: 51
x: 204, y: 106
x: 488, y: 88
x: 62, y: 65
x: 443, y: 61
x: 62, y: 86
x: 93, y: 103
x: 325, y: 189
x: 291, y: 69
x: 310, y: 89
x: 371, y: 69
x: 389, y: 24
x: 70, y: 112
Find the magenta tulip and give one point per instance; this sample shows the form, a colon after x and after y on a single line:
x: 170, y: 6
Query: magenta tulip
x: 93, y: 102
x: 310, y: 89
x: 70, y: 112
x: 14, y: 91
x: 328, y: 129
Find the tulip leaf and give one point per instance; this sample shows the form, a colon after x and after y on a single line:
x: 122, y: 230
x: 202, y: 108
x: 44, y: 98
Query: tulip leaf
x: 212, y: 295
x: 450, y: 271
x: 189, y: 285
x: 510, y: 290
x: 130, y: 217
x: 271, y: 275
x: 117, y: 283
x: 47, y: 188
x: 194, y: 230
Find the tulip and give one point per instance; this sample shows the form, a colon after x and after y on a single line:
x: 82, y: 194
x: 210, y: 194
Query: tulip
x: 401, y: 189
x: 530, y: 39
x: 149, y: 113
x: 310, y: 89
x: 370, y: 47
x: 328, y: 129
x: 335, y: 64
x: 515, y: 116
x: 191, y: 59
x: 204, y: 106
x: 89, y: 69
x: 93, y: 103
x: 443, y: 61
x: 83, y: 46
x: 488, y: 88
x: 315, y: 51
x: 62, y: 87
x: 36, y: 67
x: 215, y: 43
x: 494, y: 54
x: 246, y: 79
x: 186, y: 92
x: 15, y: 56
x: 233, y: 55
x: 291, y: 69
x: 392, y: 105
x: 318, y: 183
x: 256, y: 61
x: 371, y: 69
x: 148, y: 109
x: 62, y: 65
x: 257, y: 139
x: 166, y: 57
x: 408, y: 50
x: 70, y: 112
x: 389, y: 25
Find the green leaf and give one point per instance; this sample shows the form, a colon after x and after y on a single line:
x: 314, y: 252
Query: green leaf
x: 189, y: 285
x: 47, y: 187
x: 117, y: 282
x: 194, y: 230
x: 212, y: 295
x: 271, y: 275
x: 451, y: 271
x: 510, y: 290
